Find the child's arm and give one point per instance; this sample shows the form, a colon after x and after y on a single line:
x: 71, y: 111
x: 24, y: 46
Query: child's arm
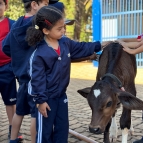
x: 6, y: 45
x: 134, y: 51
x: 129, y: 44
x: 6, y: 41
x: 80, y: 50
x: 37, y: 85
x: 92, y: 57
x: 128, y: 39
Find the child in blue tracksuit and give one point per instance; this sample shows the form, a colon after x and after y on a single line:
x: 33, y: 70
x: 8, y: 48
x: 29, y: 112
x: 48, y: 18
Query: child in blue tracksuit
x: 7, y: 77
x: 15, y: 46
x: 49, y: 70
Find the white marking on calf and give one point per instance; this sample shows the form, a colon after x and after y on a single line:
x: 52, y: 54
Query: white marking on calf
x: 124, y: 135
x: 97, y: 92
x: 113, y: 130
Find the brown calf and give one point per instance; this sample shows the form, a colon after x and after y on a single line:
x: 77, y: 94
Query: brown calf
x: 116, y: 69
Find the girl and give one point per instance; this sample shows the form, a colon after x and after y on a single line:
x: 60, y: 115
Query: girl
x: 50, y: 72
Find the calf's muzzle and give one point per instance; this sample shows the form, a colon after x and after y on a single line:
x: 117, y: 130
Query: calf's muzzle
x: 95, y: 130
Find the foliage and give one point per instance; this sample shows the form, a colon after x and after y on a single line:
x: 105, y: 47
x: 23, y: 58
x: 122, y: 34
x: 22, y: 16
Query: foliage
x: 86, y: 21
x: 80, y: 10
x: 86, y: 30
x: 82, y: 29
x: 15, y: 9
x: 70, y: 14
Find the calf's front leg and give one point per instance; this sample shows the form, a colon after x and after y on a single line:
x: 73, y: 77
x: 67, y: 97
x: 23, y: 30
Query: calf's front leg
x: 106, y: 133
x: 113, y: 129
x: 125, y: 123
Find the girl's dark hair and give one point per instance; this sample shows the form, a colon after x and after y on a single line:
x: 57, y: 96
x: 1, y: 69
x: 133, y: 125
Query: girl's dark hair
x: 27, y: 5
x: 46, y: 17
x: 6, y: 2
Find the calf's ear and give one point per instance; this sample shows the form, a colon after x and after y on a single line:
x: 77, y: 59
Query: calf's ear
x: 129, y: 101
x: 84, y: 92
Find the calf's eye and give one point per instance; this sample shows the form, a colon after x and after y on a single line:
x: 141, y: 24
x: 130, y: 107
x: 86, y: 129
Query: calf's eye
x: 109, y: 104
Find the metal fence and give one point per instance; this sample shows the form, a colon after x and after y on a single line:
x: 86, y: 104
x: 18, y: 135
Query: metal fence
x: 122, y: 19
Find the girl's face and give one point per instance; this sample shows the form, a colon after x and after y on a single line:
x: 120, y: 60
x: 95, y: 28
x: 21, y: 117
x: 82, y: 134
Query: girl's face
x: 57, y: 31
x: 3, y: 7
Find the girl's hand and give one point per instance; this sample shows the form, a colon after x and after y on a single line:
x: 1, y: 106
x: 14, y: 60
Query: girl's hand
x: 43, y: 109
x: 94, y: 56
x: 122, y: 43
x: 130, y: 51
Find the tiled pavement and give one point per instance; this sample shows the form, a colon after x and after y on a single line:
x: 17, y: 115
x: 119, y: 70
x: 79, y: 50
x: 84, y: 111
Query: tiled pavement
x: 82, y: 75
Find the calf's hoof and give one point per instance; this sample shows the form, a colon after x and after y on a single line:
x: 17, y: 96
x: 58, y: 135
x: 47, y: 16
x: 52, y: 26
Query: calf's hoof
x: 113, y: 139
x: 113, y: 134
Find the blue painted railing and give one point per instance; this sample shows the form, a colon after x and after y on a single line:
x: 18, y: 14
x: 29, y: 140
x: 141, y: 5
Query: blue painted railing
x: 116, y: 19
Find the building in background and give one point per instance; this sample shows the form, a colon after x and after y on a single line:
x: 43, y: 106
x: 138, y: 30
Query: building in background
x: 113, y: 19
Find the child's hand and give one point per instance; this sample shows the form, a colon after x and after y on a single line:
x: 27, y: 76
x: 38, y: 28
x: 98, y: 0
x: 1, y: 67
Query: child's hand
x: 93, y: 56
x: 140, y: 44
x: 130, y: 51
x: 122, y: 43
x: 43, y: 109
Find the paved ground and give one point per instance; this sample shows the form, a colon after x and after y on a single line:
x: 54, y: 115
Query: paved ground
x: 82, y: 75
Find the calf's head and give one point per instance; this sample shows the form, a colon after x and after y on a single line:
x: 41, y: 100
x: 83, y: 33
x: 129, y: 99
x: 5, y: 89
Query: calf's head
x: 103, y: 99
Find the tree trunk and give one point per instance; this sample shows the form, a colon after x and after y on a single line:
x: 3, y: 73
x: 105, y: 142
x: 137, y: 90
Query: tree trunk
x: 78, y: 19
x: 83, y: 8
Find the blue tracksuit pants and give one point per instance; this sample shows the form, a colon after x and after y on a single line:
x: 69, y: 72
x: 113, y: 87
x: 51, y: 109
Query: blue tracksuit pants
x: 54, y: 129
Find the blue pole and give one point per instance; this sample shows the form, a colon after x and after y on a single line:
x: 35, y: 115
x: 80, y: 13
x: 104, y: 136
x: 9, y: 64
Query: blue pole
x: 96, y: 17
x: 96, y: 25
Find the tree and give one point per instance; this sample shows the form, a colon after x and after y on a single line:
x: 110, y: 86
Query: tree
x: 15, y: 9
x: 83, y: 17
x: 70, y: 12
x: 80, y: 10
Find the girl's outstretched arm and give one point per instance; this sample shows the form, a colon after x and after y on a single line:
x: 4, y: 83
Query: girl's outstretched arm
x: 134, y: 51
x: 129, y: 44
x: 129, y: 39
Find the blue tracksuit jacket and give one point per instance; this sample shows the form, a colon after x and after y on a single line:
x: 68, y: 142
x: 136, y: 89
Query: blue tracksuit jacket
x: 15, y: 46
x: 10, y: 23
x: 50, y: 73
